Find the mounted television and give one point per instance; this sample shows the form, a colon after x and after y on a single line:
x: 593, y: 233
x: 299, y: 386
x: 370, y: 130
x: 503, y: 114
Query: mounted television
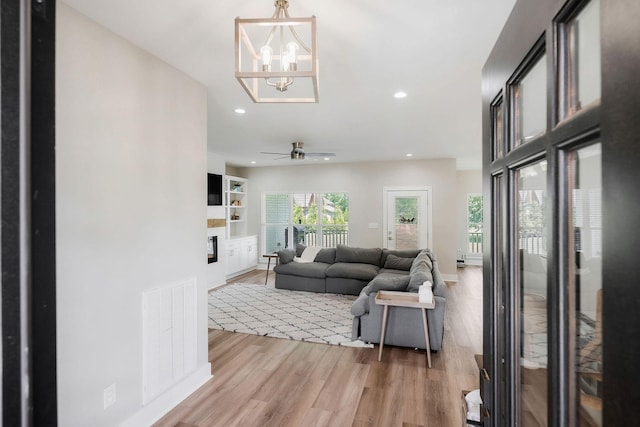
x: 214, y: 189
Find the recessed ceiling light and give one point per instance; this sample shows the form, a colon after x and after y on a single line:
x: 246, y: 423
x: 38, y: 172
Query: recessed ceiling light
x: 400, y: 95
x: 253, y: 162
x: 409, y: 155
x: 240, y: 111
x: 326, y: 158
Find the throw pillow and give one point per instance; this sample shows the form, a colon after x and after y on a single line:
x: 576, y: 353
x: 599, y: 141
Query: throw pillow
x: 285, y: 256
x: 358, y: 255
x: 300, y: 248
x: 421, y: 262
x: 308, y: 255
x: 417, y: 279
x: 326, y: 255
x: 387, y: 284
x: 398, y: 263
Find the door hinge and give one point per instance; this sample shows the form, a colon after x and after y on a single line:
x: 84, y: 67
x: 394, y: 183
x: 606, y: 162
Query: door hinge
x: 39, y: 8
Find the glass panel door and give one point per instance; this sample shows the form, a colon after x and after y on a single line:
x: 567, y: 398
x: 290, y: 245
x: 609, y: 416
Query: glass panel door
x: 584, y: 236
x: 531, y: 188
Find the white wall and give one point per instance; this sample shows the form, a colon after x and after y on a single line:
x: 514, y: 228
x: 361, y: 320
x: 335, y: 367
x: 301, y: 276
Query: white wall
x: 365, y: 182
x: 468, y: 182
x: 130, y: 211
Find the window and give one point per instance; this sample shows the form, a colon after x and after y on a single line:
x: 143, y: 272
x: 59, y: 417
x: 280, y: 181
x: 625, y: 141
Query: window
x: 580, y: 59
x: 474, y: 225
x: 497, y: 118
x: 529, y: 103
x: 313, y: 219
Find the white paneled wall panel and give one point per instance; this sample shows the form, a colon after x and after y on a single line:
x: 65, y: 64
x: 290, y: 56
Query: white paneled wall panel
x: 169, y: 336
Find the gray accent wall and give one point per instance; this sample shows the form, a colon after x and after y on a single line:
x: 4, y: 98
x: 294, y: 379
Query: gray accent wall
x: 131, y: 163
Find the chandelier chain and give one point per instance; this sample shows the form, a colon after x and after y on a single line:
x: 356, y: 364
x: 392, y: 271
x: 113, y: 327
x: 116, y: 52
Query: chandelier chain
x: 282, y: 9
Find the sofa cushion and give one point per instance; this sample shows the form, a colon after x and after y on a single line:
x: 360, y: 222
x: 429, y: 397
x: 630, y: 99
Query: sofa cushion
x: 361, y: 305
x: 326, y: 255
x: 417, y: 279
x: 352, y: 271
x: 358, y: 255
x: 387, y: 272
x: 285, y: 256
x: 311, y: 269
x: 421, y: 262
x: 394, y: 262
x: 440, y: 290
x: 386, y: 284
x: 403, y: 253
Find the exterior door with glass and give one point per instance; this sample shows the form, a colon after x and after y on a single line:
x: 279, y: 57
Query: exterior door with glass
x: 407, y: 219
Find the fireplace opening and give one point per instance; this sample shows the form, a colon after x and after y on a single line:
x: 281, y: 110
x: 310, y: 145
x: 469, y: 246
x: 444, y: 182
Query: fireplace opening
x: 212, y: 249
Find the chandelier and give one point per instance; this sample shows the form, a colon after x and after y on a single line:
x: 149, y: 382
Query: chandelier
x: 277, y: 57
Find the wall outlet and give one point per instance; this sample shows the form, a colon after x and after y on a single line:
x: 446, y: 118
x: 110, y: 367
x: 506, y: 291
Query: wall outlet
x: 109, y: 396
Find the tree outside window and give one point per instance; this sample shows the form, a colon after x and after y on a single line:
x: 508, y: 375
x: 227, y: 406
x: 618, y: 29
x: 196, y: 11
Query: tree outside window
x: 317, y: 219
x: 474, y: 223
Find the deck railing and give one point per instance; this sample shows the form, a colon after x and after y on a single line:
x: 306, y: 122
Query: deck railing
x: 475, y: 242
x: 332, y: 235
x: 532, y: 239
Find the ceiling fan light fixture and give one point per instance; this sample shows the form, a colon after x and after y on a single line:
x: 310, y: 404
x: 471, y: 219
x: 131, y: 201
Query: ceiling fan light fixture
x: 277, y: 57
x: 298, y: 153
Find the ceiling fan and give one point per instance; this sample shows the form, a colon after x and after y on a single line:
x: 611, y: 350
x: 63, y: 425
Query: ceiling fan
x: 298, y: 153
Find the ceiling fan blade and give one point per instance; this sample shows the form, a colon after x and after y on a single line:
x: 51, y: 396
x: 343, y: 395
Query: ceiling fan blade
x: 268, y: 152
x: 284, y: 157
x: 321, y: 154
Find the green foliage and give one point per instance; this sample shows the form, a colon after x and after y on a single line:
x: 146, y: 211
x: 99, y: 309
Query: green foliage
x: 341, y: 203
x: 406, y: 207
x: 531, y: 212
x: 474, y: 209
x: 310, y: 216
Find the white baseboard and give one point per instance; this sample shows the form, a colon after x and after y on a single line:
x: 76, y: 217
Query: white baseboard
x: 450, y: 277
x: 159, y: 407
x: 211, y: 287
x: 473, y: 261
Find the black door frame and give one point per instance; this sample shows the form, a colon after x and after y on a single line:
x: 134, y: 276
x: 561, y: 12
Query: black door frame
x: 616, y: 123
x: 27, y: 184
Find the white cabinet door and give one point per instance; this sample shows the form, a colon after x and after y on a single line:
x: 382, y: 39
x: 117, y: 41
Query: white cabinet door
x: 249, y: 249
x: 234, y: 256
x: 242, y: 254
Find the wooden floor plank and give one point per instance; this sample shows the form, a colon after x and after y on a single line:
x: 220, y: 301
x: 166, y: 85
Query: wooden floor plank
x: 260, y: 381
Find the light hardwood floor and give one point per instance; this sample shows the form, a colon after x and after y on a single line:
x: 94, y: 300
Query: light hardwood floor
x: 260, y: 381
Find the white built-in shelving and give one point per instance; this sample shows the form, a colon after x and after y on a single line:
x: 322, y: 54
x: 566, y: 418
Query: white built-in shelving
x: 241, y: 248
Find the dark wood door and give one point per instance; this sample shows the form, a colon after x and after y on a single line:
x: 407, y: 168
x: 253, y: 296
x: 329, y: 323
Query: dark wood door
x: 561, y: 119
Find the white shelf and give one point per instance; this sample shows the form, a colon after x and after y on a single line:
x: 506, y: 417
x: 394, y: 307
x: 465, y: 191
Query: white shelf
x: 237, y: 227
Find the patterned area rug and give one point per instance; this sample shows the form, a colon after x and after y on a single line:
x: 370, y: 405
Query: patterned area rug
x: 281, y: 313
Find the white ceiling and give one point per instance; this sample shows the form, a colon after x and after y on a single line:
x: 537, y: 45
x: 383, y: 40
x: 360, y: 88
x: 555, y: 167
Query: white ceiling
x: 368, y: 49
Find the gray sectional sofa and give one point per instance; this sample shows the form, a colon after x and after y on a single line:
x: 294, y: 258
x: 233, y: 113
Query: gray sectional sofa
x: 362, y: 272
